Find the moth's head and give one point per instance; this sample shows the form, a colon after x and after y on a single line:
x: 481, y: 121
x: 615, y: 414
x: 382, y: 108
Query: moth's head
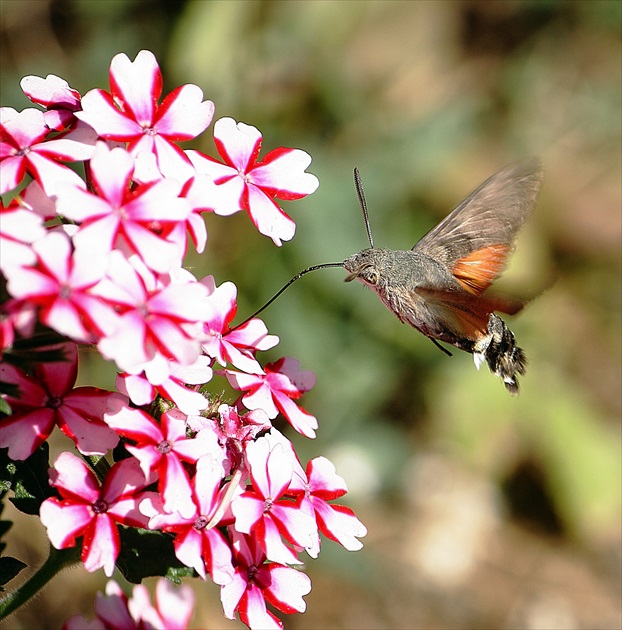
x: 363, y: 267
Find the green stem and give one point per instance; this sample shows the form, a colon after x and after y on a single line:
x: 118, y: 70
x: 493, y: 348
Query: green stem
x: 57, y: 560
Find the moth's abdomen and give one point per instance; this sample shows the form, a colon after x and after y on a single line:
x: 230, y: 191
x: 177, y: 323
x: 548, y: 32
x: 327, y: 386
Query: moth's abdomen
x: 499, y: 350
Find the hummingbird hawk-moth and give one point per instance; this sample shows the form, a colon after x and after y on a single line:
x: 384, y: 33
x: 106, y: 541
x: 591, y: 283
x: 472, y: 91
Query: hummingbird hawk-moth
x: 440, y: 285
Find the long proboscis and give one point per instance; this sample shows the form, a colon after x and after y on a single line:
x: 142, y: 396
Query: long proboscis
x: 285, y: 286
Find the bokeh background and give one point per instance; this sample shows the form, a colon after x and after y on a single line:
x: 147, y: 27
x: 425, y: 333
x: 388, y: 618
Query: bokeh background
x: 483, y: 510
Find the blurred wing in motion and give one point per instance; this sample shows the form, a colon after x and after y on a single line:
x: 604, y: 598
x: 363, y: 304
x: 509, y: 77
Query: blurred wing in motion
x: 476, y: 239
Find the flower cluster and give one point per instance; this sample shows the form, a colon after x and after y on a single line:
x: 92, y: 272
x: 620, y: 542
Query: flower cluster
x: 114, y: 610
x: 97, y: 259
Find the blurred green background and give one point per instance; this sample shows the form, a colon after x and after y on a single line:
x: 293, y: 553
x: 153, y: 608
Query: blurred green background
x: 483, y: 510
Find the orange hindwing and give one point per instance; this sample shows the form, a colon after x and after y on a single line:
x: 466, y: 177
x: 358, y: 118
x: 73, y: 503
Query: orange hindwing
x: 476, y: 271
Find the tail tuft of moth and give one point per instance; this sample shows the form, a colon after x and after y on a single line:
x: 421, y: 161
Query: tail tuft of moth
x: 505, y: 359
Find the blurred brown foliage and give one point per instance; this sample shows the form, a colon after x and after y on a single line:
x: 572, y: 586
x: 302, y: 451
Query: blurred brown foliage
x: 483, y: 511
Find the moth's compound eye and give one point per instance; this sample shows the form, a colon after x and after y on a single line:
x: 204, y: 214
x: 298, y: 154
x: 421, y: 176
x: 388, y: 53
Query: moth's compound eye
x: 371, y: 276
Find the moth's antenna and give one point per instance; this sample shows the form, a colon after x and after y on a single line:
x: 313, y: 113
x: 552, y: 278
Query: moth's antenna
x: 359, y: 191
x: 276, y: 295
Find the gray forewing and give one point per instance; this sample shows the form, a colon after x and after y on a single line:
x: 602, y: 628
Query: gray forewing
x: 490, y: 215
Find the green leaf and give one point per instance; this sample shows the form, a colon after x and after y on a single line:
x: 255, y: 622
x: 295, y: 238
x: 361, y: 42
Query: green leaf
x: 29, y: 481
x: 177, y: 574
x: 9, y: 390
x: 7, y: 471
x: 146, y: 553
x: 43, y: 347
x: 9, y: 568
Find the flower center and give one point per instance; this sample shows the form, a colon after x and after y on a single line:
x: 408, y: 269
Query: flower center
x: 143, y: 309
x: 100, y: 506
x: 200, y: 523
x: 165, y: 447
x: 54, y: 402
x: 267, y: 505
x: 64, y: 292
x: 120, y: 212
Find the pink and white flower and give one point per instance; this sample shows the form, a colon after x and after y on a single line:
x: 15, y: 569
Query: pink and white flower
x: 136, y: 219
x: 111, y: 612
x: 252, y: 185
x: 198, y: 543
x: 47, y: 399
x: 25, y: 148
x: 59, y: 285
x: 54, y: 93
x: 162, y: 448
x: 275, y: 390
x: 236, y: 346
x: 131, y: 113
x: 320, y: 485
x: 173, y: 609
x: 256, y: 581
x: 264, y: 512
x: 93, y: 512
x: 157, y: 322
